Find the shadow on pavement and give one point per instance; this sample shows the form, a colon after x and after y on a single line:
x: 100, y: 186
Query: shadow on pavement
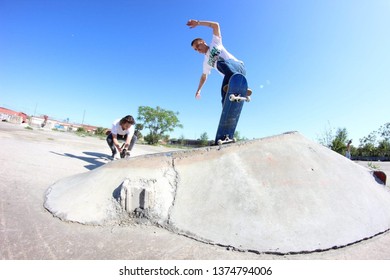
x: 95, y: 160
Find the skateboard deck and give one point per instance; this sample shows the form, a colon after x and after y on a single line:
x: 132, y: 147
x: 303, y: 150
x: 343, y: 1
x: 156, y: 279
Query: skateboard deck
x: 232, y: 106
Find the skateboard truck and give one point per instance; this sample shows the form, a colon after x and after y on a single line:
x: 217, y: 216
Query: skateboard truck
x: 225, y: 140
x: 238, y: 98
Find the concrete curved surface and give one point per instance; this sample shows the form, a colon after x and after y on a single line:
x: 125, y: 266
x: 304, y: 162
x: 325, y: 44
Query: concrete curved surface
x: 280, y: 194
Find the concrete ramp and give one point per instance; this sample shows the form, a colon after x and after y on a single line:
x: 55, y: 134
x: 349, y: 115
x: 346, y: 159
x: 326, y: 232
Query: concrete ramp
x: 280, y: 194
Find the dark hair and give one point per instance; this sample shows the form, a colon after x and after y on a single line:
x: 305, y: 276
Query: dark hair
x: 128, y: 119
x: 193, y: 41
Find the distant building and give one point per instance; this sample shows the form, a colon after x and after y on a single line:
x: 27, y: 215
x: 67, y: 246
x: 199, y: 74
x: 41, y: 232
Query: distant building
x: 42, y: 121
x: 12, y: 116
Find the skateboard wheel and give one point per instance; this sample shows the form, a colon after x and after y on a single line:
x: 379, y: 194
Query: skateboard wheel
x: 248, y: 99
x: 219, y: 142
x: 232, y: 97
x: 234, y: 140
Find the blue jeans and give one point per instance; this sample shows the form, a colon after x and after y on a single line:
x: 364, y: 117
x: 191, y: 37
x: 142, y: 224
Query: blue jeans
x: 228, y: 68
x: 110, y: 142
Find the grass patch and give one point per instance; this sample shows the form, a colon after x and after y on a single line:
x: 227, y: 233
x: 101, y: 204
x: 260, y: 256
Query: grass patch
x: 373, y: 166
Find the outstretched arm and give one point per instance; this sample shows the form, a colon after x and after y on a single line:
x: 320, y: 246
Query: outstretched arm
x: 214, y: 25
x: 203, y: 79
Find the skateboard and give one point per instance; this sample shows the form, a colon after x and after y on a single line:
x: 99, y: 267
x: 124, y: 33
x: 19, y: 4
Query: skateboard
x: 125, y: 153
x: 236, y: 95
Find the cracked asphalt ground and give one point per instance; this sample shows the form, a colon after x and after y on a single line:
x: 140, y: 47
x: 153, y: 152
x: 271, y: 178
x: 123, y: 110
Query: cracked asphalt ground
x: 32, y: 160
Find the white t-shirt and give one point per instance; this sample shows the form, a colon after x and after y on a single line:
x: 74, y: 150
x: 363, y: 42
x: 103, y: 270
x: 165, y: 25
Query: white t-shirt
x: 215, y: 51
x: 117, y: 129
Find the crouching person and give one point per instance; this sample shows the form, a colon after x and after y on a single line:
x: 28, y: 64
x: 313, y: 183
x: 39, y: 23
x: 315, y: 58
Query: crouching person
x: 122, y: 130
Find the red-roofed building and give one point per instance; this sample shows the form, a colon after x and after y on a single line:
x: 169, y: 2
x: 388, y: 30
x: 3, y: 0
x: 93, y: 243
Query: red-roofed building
x: 12, y: 116
x: 42, y: 121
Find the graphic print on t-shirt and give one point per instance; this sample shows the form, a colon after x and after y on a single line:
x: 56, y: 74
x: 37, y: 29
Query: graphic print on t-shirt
x: 214, y: 54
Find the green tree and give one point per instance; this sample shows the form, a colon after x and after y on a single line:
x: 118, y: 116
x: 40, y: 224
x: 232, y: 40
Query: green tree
x: 204, y: 139
x: 339, y: 141
x: 366, y: 150
x: 158, y: 121
x: 101, y: 131
x: 367, y: 145
x: 370, y: 139
x: 238, y: 137
x: 327, y: 137
x: 81, y: 130
x: 336, y: 141
x: 377, y: 143
x: 138, y: 128
x: 383, y: 148
x: 384, y: 131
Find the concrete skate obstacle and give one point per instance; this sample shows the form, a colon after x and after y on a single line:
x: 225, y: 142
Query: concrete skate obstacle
x: 281, y: 194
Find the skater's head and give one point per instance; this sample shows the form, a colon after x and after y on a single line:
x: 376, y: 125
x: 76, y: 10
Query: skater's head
x: 199, y: 45
x: 127, y: 122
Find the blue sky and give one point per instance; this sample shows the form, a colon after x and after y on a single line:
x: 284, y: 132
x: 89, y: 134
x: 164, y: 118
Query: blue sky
x: 311, y: 64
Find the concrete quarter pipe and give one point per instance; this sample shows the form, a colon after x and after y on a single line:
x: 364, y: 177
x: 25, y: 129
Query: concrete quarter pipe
x: 281, y: 194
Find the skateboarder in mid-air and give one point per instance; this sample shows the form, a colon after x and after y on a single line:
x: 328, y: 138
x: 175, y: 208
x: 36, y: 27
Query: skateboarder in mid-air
x: 122, y: 129
x: 216, y: 56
